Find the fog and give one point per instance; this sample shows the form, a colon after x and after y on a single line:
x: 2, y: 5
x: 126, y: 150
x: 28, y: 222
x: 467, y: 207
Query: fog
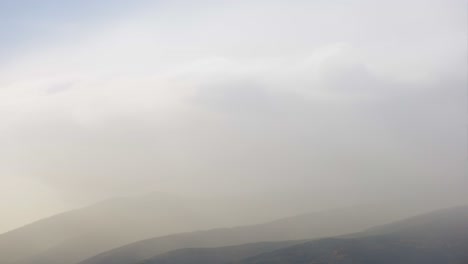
x: 335, y: 103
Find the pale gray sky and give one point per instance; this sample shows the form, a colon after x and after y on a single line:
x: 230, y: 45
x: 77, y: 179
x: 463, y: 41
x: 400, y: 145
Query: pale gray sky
x: 350, y: 101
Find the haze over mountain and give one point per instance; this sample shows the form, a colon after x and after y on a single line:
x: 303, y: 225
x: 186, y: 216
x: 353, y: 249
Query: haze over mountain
x: 239, y: 112
x: 435, y: 238
x: 307, y: 226
x: 79, y: 234
x: 351, y: 102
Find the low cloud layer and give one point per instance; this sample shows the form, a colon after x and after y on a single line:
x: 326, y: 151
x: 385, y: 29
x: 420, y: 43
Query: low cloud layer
x: 348, y: 102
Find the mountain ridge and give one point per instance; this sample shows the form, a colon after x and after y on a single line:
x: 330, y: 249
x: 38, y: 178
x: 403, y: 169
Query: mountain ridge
x: 437, y: 237
x: 307, y: 226
x: 433, y: 238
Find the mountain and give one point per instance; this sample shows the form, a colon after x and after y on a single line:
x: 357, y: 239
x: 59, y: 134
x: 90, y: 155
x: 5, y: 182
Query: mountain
x: 76, y: 235
x: 441, y: 224
x: 440, y: 237
x: 307, y: 226
x: 217, y: 255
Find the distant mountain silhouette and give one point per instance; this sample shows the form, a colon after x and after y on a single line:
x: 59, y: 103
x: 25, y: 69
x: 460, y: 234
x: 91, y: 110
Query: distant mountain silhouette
x: 440, y: 237
x: 307, y: 226
x: 217, y: 255
x: 76, y: 235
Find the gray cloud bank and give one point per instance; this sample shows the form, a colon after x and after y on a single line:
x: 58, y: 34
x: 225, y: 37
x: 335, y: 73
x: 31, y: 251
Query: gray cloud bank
x: 348, y: 102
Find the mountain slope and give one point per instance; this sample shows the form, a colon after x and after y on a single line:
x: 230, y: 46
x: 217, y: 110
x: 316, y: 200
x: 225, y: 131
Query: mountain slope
x: 314, y: 225
x: 375, y: 250
x: 440, y: 237
x: 217, y: 255
x: 79, y: 234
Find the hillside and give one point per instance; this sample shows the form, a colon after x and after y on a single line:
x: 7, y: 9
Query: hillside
x: 76, y: 235
x: 217, y: 255
x: 307, y: 226
x: 440, y: 237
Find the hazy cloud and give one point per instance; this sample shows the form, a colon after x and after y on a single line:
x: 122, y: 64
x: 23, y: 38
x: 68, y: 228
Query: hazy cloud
x: 347, y: 101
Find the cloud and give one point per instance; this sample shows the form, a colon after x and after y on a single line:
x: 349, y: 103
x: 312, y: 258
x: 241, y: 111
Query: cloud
x: 349, y: 101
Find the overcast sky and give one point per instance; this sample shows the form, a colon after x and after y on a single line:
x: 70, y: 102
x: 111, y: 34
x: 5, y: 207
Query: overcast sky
x: 349, y: 101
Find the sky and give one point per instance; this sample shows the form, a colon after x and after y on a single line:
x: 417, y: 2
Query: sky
x: 344, y: 101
